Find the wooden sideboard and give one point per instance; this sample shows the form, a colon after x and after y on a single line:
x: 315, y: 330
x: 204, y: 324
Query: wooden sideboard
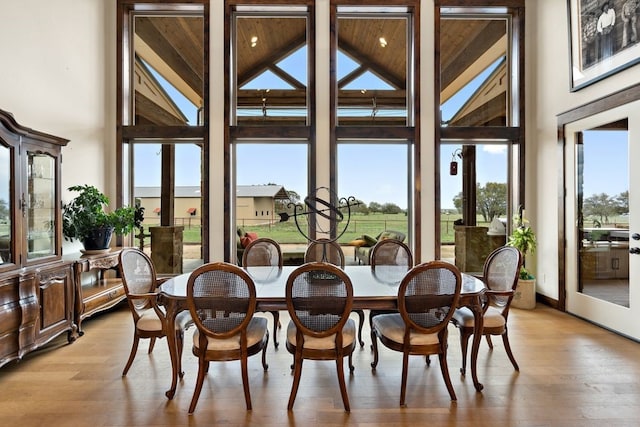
x: 97, y: 285
x: 36, y: 305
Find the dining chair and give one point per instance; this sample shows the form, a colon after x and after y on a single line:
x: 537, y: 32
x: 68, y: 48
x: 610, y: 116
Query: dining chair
x: 427, y: 297
x: 325, y: 250
x: 265, y: 252
x: 319, y: 298
x: 390, y: 260
x: 222, y: 301
x: 140, y: 282
x: 500, y: 275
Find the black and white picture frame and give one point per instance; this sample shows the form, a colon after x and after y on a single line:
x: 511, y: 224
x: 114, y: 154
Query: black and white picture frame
x: 604, y: 38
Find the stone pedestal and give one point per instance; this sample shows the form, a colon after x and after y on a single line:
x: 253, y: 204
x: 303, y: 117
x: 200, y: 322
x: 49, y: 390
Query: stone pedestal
x: 166, y: 249
x: 473, y: 245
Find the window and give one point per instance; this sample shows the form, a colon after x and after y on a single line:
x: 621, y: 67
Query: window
x: 373, y: 78
x: 375, y: 49
x: 481, y: 134
x: 162, y: 120
x: 270, y: 66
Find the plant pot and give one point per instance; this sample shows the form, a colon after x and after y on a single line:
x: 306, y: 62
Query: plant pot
x: 99, y: 239
x: 525, y: 295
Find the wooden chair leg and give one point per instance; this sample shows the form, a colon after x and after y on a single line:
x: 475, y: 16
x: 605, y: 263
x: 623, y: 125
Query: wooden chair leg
x: 374, y: 347
x: 343, y: 386
x: 507, y: 346
x: 152, y: 343
x: 132, y: 355
x: 203, y: 367
x: 180, y: 344
x: 276, y: 325
x: 445, y: 374
x: 489, y: 343
x: 360, y: 326
x: 296, y: 380
x: 464, y: 344
x: 245, y: 382
x: 265, y: 366
x: 403, y: 385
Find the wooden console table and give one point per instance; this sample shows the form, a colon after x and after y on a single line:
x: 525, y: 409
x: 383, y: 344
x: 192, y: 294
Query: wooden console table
x: 95, y: 289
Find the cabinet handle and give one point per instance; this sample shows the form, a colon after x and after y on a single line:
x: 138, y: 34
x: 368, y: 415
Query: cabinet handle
x: 634, y: 251
x: 23, y: 206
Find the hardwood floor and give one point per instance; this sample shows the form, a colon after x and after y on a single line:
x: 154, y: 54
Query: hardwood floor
x: 572, y: 374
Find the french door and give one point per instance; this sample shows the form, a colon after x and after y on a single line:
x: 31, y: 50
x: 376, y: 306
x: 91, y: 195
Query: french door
x: 603, y: 219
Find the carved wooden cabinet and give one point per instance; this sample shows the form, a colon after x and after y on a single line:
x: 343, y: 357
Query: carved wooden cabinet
x: 36, y: 285
x: 97, y: 285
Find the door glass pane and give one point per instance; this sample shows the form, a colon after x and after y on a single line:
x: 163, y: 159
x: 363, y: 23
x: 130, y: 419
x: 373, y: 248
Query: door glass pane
x: 271, y: 70
x: 168, y: 70
x: 187, y: 201
x: 270, y: 177
x: 5, y: 205
x: 373, y: 53
x: 603, y: 213
x: 467, y: 242
x: 41, y: 205
x: 474, y: 76
x: 378, y: 177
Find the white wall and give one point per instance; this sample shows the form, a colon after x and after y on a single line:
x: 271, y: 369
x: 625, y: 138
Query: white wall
x: 58, y: 76
x: 548, y: 94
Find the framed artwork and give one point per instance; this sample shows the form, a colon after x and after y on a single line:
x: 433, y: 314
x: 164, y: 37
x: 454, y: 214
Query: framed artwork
x: 603, y: 39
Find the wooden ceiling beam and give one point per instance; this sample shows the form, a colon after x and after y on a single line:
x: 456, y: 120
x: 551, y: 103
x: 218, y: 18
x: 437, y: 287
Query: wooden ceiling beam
x: 269, y: 63
x: 369, y: 63
x: 174, y: 50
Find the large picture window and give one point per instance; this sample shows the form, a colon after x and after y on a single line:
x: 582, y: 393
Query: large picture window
x: 162, y: 125
x: 481, y: 135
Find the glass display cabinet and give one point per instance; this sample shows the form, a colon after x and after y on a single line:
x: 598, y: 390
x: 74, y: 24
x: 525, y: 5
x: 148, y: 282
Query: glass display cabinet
x: 36, y: 284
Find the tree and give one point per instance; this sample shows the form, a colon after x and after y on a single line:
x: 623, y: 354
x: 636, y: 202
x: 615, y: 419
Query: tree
x: 4, y: 209
x: 457, y: 202
x: 622, y: 203
x: 601, y: 206
x: 375, y: 207
x: 491, y: 200
x: 391, y: 208
x: 360, y: 207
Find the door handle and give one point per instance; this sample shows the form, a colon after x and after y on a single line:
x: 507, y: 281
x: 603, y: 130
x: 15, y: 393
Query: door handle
x: 635, y: 236
x: 634, y: 251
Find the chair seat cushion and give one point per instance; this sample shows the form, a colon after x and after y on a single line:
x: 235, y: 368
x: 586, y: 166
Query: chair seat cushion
x: 149, y: 320
x: 391, y: 326
x: 492, y: 318
x: 255, y: 333
x: 326, y: 343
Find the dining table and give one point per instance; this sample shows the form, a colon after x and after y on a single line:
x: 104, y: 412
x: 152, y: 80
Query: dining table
x: 374, y: 288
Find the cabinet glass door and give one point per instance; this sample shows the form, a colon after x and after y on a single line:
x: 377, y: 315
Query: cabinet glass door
x: 5, y: 205
x: 40, y: 203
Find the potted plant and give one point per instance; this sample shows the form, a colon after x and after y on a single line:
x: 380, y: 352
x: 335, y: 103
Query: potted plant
x: 523, y: 238
x: 85, y: 218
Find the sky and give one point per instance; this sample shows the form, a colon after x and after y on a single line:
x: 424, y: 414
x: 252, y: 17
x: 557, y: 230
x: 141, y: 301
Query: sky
x: 357, y: 165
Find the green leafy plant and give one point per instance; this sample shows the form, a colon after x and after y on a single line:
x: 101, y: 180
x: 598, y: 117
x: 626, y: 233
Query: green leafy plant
x: 524, y: 239
x: 86, y: 212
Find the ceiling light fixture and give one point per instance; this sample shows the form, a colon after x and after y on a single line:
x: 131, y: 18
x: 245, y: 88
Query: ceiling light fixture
x: 383, y: 42
x: 254, y: 41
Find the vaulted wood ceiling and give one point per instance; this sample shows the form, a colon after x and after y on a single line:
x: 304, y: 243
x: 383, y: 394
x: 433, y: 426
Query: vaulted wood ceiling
x: 174, y: 47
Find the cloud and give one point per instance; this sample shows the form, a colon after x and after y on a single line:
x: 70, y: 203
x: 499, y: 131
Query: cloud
x: 494, y: 148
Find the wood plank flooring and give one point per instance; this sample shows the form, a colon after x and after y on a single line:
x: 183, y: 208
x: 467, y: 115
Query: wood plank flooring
x: 572, y: 374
